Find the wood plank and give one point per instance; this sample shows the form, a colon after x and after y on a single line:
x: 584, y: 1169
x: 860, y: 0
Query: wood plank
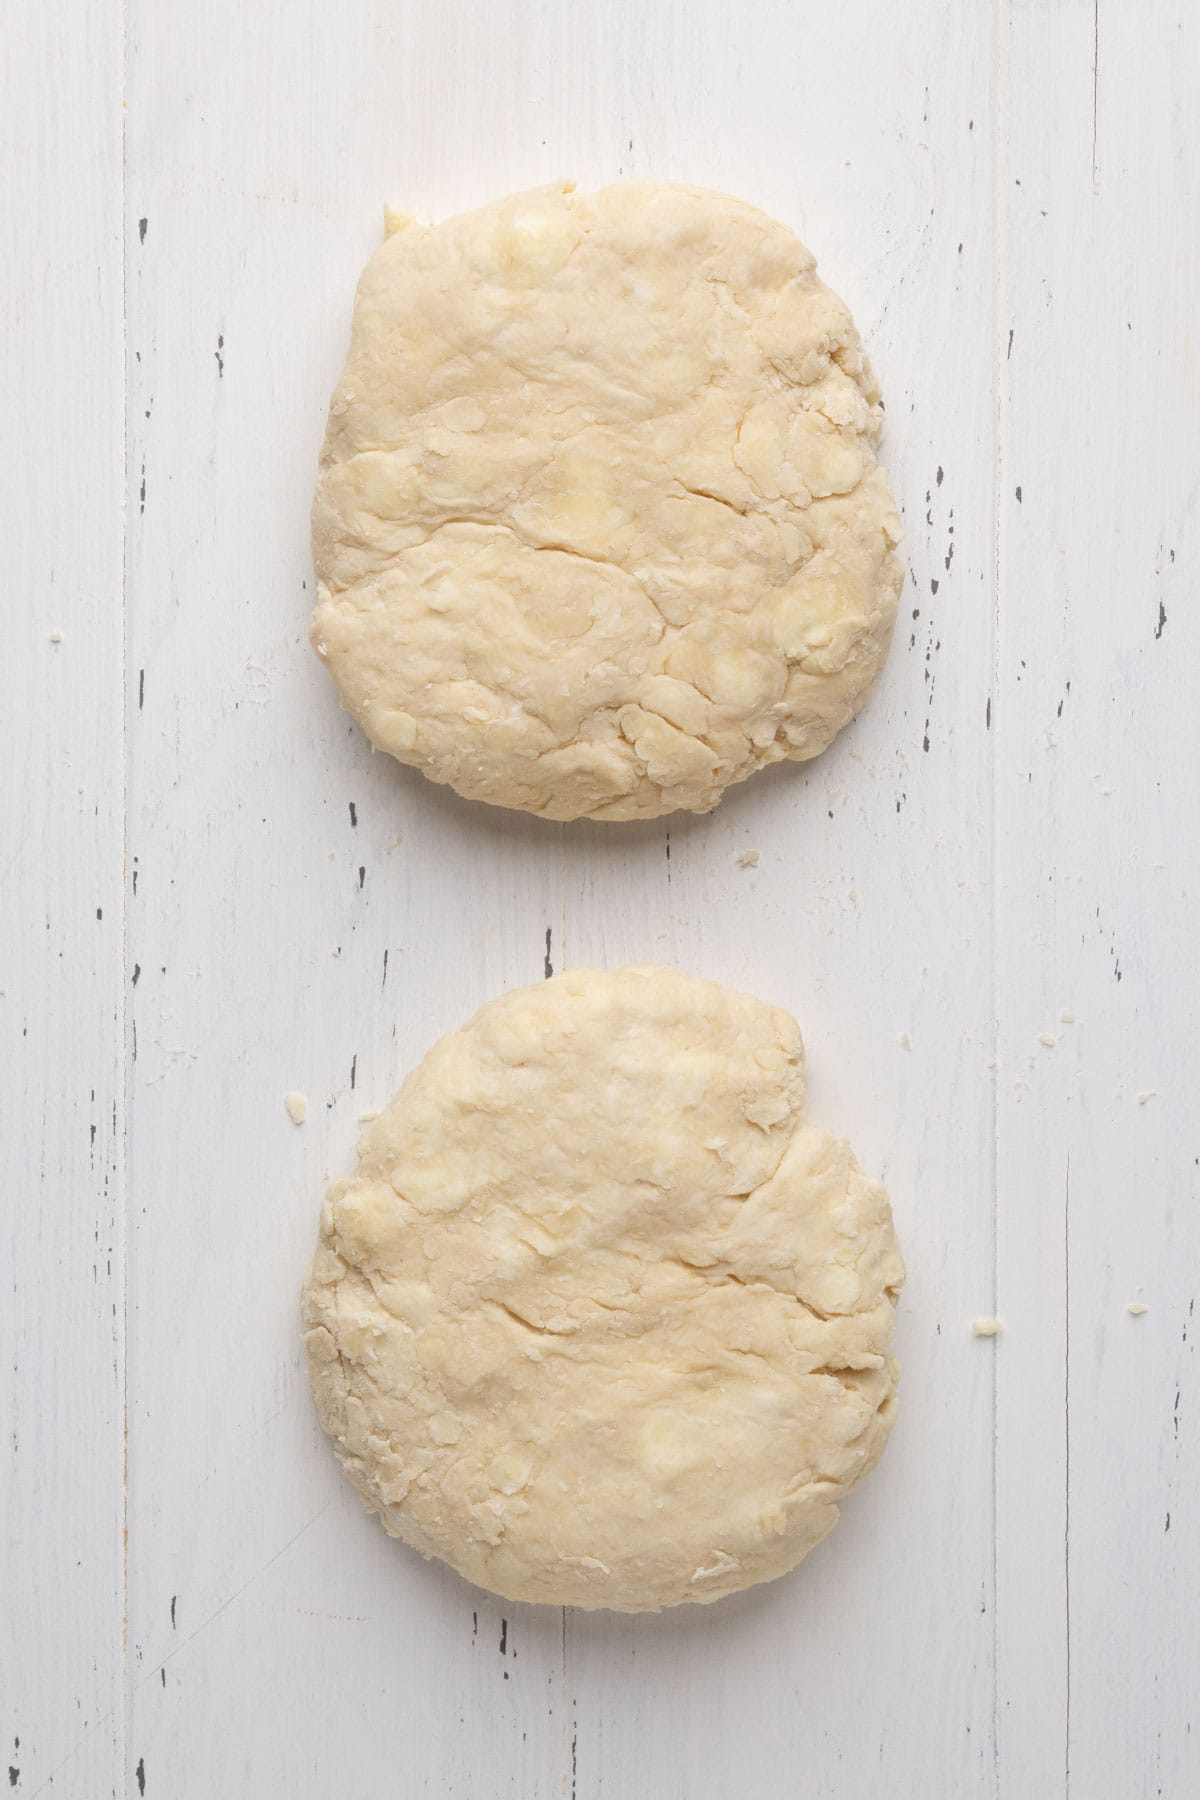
x: 62, y: 861
x: 307, y: 917
x: 1097, y: 765
x: 261, y: 946
x: 869, y: 915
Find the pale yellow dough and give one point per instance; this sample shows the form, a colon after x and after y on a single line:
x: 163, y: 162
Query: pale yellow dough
x: 599, y: 528
x: 601, y: 1320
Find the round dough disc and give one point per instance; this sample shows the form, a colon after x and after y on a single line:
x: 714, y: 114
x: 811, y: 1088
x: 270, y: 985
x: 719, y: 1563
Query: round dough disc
x: 599, y: 528
x: 600, y: 1319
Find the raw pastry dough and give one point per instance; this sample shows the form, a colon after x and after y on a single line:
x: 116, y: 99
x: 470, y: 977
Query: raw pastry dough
x: 601, y: 1319
x: 599, y: 528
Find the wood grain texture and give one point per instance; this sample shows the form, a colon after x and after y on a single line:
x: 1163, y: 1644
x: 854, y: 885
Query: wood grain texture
x: 1007, y: 835
x: 62, y: 892
x: 1097, y: 772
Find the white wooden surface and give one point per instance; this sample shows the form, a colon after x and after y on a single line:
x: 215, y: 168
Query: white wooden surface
x: 213, y: 893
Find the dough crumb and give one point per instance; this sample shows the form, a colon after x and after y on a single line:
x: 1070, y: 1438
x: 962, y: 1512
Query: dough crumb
x: 297, y: 1107
x: 56, y: 636
x: 364, y: 1118
x: 395, y: 219
x: 905, y: 1041
x: 1068, y: 1018
x: 1148, y: 1094
x: 985, y: 1327
x: 1048, y: 1038
x: 1135, y: 1308
x: 748, y: 859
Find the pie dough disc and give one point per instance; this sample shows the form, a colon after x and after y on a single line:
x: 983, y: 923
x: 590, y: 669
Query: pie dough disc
x: 599, y: 528
x: 600, y: 1319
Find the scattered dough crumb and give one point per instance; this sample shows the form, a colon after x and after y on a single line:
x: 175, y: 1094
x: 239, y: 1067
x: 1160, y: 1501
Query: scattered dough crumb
x: 1148, y: 1094
x: 297, y: 1107
x: 905, y: 1041
x: 1048, y: 1038
x: 364, y: 1118
x: 56, y: 636
x: 748, y: 859
x: 394, y: 220
x: 985, y: 1327
x: 1068, y: 1018
x: 1136, y: 1308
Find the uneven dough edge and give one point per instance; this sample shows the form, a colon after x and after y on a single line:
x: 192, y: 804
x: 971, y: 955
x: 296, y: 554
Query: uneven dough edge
x: 399, y: 1479
x: 624, y: 759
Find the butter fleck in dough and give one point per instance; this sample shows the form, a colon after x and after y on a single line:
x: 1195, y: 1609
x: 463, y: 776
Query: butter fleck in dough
x: 599, y: 528
x: 600, y: 1319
